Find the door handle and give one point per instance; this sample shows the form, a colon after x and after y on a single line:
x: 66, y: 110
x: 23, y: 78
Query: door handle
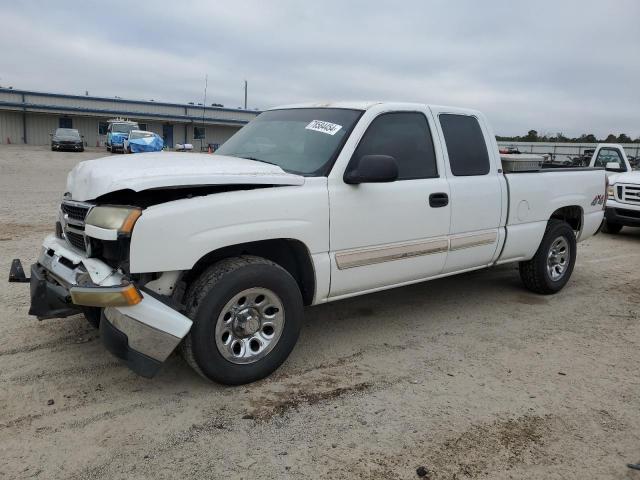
x: 437, y: 200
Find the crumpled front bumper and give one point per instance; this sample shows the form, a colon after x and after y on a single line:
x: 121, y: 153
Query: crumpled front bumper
x: 143, y: 334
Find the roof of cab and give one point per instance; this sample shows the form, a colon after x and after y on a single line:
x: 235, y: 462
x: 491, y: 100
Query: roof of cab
x: 362, y: 105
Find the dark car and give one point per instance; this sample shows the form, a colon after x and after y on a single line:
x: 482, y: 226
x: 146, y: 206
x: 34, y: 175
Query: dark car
x: 67, y: 139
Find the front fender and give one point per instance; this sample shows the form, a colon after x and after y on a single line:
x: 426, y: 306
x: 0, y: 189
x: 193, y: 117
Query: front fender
x: 175, y: 235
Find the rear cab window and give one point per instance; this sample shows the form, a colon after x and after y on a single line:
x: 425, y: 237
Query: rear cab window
x: 467, y: 150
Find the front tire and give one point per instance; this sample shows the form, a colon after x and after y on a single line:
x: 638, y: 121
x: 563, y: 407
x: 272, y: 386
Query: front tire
x: 611, y: 228
x: 247, y: 314
x: 551, y: 267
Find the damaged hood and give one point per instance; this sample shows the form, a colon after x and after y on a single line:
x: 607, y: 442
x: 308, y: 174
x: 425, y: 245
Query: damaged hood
x: 93, y: 178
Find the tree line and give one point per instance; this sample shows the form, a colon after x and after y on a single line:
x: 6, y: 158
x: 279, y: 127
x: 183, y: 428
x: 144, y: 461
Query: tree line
x: 533, y: 136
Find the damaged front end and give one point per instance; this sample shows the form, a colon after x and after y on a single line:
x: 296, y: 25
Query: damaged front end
x: 86, y: 266
x: 138, y: 325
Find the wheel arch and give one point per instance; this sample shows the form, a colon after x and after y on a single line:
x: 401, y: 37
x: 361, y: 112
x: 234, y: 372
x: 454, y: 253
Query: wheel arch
x: 571, y: 214
x: 291, y: 254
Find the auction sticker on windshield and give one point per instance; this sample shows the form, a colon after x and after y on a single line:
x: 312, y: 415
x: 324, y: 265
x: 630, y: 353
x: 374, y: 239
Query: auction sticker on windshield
x: 324, y: 127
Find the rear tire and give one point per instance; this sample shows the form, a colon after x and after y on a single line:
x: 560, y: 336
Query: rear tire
x: 247, y: 314
x: 611, y: 228
x: 551, y: 267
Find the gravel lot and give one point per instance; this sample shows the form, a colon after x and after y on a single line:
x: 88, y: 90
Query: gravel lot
x: 470, y: 376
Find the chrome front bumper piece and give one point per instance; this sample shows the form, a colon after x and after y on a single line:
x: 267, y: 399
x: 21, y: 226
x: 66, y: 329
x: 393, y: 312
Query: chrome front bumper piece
x: 143, y: 334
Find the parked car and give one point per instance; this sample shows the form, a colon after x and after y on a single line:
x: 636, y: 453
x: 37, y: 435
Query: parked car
x: 117, y: 132
x: 67, y: 139
x: 142, y: 141
x: 510, y: 150
x: 218, y: 254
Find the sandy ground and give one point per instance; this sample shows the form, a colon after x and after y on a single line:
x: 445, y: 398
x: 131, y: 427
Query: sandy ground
x: 471, y: 377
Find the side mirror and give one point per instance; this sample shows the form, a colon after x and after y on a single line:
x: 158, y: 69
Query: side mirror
x: 612, y: 167
x: 372, y: 169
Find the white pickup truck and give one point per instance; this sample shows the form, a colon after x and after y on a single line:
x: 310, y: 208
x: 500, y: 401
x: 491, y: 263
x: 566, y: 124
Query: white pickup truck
x: 219, y: 254
x: 623, y: 203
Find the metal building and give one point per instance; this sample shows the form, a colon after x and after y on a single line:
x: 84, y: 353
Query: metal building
x: 29, y: 117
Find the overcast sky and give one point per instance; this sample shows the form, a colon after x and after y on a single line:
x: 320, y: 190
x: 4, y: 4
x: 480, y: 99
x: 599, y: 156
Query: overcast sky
x: 570, y: 66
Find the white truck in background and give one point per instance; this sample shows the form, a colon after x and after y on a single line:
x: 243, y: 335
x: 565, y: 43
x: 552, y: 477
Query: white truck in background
x: 623, y: 202
x: 219, y: 254
x: 623, y: 195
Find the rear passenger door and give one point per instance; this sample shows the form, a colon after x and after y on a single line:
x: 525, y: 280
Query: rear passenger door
x: 476, y: 195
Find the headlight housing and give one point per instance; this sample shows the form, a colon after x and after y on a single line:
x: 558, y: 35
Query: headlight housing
x: 121, y: 219
x: 611, y: 191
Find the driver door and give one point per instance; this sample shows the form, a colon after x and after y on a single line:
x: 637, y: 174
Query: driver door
x: 386, y: 234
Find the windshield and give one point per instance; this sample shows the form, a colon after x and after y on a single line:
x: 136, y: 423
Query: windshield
x: 123, y: 127
x: 67, y: 132
x: 300, y: 140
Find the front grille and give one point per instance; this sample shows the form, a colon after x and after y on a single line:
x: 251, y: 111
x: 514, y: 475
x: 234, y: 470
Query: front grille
x: 75, y: 211
x: 73, y: 222
x: 630, y: 194
x: 75, y: 239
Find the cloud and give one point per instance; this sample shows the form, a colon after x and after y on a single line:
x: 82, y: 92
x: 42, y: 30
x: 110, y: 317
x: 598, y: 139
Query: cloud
x: 553, y: 66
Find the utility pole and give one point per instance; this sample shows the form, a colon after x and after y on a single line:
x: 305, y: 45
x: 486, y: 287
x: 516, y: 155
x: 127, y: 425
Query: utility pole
x: 245, y: 94
x: 204, y: 106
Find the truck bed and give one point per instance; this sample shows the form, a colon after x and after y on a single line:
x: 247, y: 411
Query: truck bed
x: 534, y: 197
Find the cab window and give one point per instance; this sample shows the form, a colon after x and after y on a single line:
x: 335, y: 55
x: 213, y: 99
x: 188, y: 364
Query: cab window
x: 406, y: 137
x: 466, y: 147
x: 608, y: 155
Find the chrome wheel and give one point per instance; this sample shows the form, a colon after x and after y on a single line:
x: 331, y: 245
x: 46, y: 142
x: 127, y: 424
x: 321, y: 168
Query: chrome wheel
x: 558, y: 258
x: 249, y: 325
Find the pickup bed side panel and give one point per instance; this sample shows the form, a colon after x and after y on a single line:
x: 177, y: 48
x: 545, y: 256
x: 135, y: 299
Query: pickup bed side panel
x: 533, y: 197
x: 175, y: 235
